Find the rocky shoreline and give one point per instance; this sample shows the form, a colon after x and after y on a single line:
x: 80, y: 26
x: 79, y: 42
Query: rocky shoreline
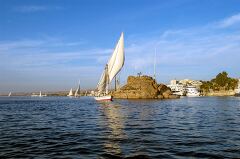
x: 143, y: 87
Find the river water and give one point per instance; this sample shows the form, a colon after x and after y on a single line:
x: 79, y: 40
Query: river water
x: 60, y: 127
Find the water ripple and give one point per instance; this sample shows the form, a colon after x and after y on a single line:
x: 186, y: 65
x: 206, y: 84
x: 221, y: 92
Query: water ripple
x: 59, y: 127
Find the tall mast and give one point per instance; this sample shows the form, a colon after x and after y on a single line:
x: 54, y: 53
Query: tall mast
x: 107, y: 80
x: 115, y: 83
x: 154, y: 73
x: 79, y: 86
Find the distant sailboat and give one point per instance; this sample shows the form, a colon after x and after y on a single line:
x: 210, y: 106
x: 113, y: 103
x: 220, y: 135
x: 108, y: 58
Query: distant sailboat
x: 34, y: 95
x: 112, y: 68
x: 70, y: 94
x: 10, y: 94
x: 77, y: 92
x: 40, y: 95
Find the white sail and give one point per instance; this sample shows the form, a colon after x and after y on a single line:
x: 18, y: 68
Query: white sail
x: 77, y: 92
x: 10, y: 94
x: 114, y: 65
x: 116, y: 61
x: 40, y: 94
x: 70, y: 92
x: 102, y: 83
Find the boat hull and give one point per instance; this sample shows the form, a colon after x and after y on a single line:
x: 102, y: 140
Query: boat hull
x: 103, y: 98
x: 237, y: 94
x: 193, y: 95
x: 179, y: 93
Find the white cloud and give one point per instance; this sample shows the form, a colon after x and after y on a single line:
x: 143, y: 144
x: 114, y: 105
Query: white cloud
x: 235, y: 19
x: 195, y: 52
x: 183, y: 52
x: 48, y: 52
x: 37, y: 43
x: 35, y: 8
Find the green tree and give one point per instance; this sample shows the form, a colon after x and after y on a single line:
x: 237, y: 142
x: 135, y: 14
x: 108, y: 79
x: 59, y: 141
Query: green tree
x: 222, y: 79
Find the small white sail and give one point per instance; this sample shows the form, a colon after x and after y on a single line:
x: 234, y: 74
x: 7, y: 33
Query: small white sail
x: 70, y: 92
x: 40, y: 94
x: 113, y: 66
x: 102, y: 83
x: 77, y: 92
x: 10, y: 94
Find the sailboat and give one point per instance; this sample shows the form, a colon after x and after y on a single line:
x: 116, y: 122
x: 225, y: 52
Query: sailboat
x: 77, y: 92
x: 10, y: 94
x: 40, y: 95
x: 112, y: 68
x: 34, y: 95
x: 70, y: 94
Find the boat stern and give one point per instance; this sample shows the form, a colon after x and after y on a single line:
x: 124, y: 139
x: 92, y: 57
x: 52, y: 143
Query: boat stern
x: 103, y: 98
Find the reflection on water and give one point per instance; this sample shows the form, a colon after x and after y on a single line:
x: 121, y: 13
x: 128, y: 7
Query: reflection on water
x: 115, y: 122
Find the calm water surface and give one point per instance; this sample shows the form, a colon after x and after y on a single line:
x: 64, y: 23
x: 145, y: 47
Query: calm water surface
x: 59, y: 127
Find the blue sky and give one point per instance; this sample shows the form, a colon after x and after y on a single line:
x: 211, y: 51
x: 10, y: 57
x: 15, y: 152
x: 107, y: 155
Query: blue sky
x: 50, y: 45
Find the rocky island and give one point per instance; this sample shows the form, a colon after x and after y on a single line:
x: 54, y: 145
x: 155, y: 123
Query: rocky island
x: 143, y: 87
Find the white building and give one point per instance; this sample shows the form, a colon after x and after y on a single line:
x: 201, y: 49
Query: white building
x: 177, y: 88
x: 237, y: 91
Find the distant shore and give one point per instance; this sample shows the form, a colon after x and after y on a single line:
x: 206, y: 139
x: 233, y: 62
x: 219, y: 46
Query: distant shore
x: 59, y: 93
x: 220, y: 93
x: 210, y: 94
x: 146, y: 87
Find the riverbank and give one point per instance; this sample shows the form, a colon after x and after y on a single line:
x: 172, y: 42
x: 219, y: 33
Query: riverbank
x: 58, y: 93
x: 220, y: 93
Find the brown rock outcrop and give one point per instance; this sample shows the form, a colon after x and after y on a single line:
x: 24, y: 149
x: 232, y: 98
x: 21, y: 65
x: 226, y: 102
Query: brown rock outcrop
x: 143, y: 87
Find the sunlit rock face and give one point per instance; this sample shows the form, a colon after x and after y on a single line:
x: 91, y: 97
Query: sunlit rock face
x: 143, y: 87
